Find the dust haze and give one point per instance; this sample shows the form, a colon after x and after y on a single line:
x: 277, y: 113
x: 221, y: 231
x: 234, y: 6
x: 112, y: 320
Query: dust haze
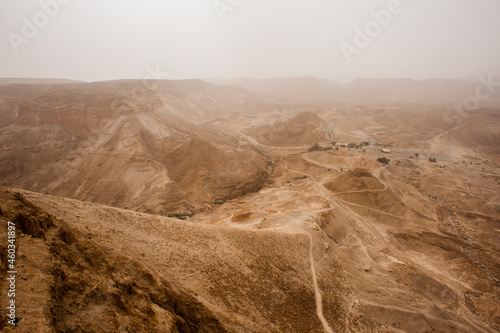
x: 210, y: 39
x: 237, y: 166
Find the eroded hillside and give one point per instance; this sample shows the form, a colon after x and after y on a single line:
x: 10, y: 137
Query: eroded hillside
x: 96, y: 268
x: 106, y: 143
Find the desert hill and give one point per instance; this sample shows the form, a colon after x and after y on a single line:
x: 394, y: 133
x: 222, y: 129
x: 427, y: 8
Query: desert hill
x: 305, y: 128
x: 361, y: 187
x: 103, y: 144
x: 357, y: 180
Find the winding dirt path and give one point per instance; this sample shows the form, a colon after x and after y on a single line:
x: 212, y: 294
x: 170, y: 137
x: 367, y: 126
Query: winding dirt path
x: 364, y: 191
x: 319, y: 164
x: 372, y: 209
x: 317, y: 292
x: 267, y: 146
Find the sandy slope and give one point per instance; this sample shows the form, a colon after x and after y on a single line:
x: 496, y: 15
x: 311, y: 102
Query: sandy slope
x: 231, y: 277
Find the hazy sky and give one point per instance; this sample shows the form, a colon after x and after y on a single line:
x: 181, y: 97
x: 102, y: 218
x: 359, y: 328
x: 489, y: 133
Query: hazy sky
x: 112, y: 39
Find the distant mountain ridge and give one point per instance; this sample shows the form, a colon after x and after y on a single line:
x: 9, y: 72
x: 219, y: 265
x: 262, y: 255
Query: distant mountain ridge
x: 366, y: 90
x: 16, y: 80
x: 312, y: 89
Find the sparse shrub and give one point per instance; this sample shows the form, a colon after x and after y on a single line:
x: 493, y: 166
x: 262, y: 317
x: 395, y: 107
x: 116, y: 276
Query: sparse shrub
x: 296, y: 178
x: 351, y: 145
x: 383, y: 160
x: 183, y: 216
x: 416, y: 155
x: 315, y: 147
x: 432, y: 160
